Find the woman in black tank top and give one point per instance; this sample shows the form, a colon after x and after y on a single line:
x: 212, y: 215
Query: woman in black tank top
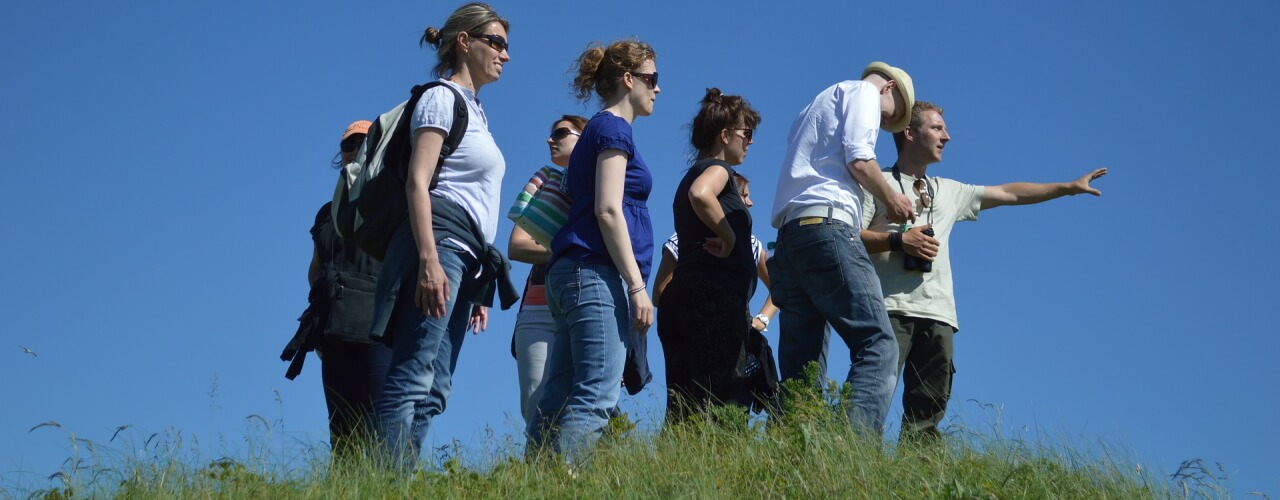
x: 702, y: 315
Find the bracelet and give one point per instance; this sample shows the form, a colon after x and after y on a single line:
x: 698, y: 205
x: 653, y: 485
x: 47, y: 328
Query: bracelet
x: 763, y: 319
x: 895, y: 242
x: 635, y: 290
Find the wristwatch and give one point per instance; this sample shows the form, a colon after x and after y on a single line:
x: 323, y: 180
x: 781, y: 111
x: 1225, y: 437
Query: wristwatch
x: 763, y: 319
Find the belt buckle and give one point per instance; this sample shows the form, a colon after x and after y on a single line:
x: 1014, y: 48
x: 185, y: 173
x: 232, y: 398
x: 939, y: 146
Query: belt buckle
x: 808, y: 221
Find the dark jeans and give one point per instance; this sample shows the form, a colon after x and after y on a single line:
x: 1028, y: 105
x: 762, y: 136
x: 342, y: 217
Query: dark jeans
x: 822, y: 275
x: 702, y: 324
x: 353, y: 375
x: 925, y: 349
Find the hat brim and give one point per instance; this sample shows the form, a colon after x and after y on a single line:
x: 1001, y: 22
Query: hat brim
x: 902, y: 82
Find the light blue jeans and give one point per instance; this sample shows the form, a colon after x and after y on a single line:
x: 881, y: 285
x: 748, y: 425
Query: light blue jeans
x: 821, y: 274
x: 584, y: 373
x: 424, y: 353
x: 535, y: 333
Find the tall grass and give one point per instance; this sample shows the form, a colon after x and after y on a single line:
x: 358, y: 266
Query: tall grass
x: 812, y: 453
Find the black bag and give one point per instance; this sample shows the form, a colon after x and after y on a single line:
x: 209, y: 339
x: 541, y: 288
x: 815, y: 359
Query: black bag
x: 351, y: 307
x: 759, y: 373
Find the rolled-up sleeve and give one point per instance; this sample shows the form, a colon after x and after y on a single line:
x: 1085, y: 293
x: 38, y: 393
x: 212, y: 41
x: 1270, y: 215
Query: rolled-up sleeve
x: 860, y: 106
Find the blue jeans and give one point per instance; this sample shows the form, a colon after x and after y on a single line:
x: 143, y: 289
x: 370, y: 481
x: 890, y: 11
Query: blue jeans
x: 584, y: 373
x: 822, y: 274
x: 424, y: 354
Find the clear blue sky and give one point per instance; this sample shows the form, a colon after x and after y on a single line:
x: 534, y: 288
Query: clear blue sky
x: 165, y: 160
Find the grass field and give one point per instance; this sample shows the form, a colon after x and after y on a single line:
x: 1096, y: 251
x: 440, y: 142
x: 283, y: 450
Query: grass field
x: 812, y: 453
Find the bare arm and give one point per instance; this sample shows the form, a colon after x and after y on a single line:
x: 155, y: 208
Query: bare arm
x: 666, y: 267
x: 522, y: 247
x: 432, y: 287
x: 768, y: 309
x: 867, y: 173
x: 704, y: 195
x: 611, y: 173
x: 1027, y: 193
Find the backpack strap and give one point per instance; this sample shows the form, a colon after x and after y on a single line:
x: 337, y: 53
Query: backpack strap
x: 459, y: 128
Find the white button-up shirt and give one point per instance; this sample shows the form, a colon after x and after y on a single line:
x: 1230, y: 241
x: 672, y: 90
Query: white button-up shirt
x: 840, y: 126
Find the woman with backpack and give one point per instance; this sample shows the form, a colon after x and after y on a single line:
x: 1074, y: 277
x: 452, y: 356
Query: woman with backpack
x: 535, y: 328
x: 601, y: 256
x: 441, y: 261
x: 703, y: 321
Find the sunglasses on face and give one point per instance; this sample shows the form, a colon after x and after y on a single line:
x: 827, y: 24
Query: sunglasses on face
x: 351, y: 144
x: 497, y: 42
x: 562, y: 132
x: 746, y: 133
x: 650, y: 79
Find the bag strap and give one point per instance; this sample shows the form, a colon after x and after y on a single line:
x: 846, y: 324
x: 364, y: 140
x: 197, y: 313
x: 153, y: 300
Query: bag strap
x: 399, y: 150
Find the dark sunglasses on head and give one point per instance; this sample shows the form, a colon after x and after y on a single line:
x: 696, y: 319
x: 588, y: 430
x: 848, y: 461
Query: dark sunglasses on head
x: 650, y: 79
x: 562, y: 132
x: 496, y: 41
x: 746, y: 132
x: 351, y: 144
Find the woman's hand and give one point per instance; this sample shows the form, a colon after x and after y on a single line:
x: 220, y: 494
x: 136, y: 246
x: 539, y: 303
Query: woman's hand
x: 479, y: 321
x: 433, y: 288
x: 641, y: 312
x: 719, y: 247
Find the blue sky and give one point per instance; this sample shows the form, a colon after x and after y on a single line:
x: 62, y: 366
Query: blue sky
x: 166, y: 160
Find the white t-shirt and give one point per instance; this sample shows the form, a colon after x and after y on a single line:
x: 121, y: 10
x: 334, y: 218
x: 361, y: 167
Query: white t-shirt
x: 840, y: 125
x: 472, y: 175
x: 910, y: 292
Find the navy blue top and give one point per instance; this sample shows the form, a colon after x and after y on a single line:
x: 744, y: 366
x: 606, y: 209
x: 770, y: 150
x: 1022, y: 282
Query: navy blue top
x: 580, y: 238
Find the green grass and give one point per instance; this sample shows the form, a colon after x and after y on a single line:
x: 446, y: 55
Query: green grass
x: 812, y: 453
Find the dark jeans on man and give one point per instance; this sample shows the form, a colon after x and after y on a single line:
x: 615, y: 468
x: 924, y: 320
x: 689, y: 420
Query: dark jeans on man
x: 353, y: 375
x: 925, y: 350
x: 822, y: 275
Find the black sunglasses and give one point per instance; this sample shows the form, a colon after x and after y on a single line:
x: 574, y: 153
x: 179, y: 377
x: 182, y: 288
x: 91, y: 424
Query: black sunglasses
x: 351, y: 144
x: 746, y: 132
x: 496, y: 41
x: 562, y: 132
x: 651, y: 79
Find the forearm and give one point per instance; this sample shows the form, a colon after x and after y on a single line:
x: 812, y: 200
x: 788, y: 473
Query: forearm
x: 1026, y: 193
x: 709, y: 211
x: 768, y: 310
x: 522, y: 247
x: 867, y: 173
x: 417, y: 190
x: 875, y: 241
x: 613, y: 227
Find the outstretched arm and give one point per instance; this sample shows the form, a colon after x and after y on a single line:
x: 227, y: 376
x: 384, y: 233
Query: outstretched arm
x: 1027, y: 193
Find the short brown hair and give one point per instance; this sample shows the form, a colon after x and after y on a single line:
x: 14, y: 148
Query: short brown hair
x: 917, y: 119
x: 468, y: 18
x: 600, y: 67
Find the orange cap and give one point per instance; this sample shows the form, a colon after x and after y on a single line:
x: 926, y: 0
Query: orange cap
x: 357, y: 127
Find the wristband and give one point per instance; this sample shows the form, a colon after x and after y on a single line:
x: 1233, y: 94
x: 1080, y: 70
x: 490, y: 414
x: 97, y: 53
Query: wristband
x: 635, y: 290
x: 895, y: 242
x: 765, y: 320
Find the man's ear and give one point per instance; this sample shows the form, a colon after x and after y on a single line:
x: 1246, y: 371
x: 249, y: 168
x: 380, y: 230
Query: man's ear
x: 888, y: 87
x: 909, y: 134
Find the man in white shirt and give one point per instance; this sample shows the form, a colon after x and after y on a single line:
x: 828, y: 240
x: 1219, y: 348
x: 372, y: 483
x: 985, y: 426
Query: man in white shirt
x: 821, y: 273
x: 914, y: 266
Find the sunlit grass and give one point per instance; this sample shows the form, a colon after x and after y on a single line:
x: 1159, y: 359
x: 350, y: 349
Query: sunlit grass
x: 812, y: 453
